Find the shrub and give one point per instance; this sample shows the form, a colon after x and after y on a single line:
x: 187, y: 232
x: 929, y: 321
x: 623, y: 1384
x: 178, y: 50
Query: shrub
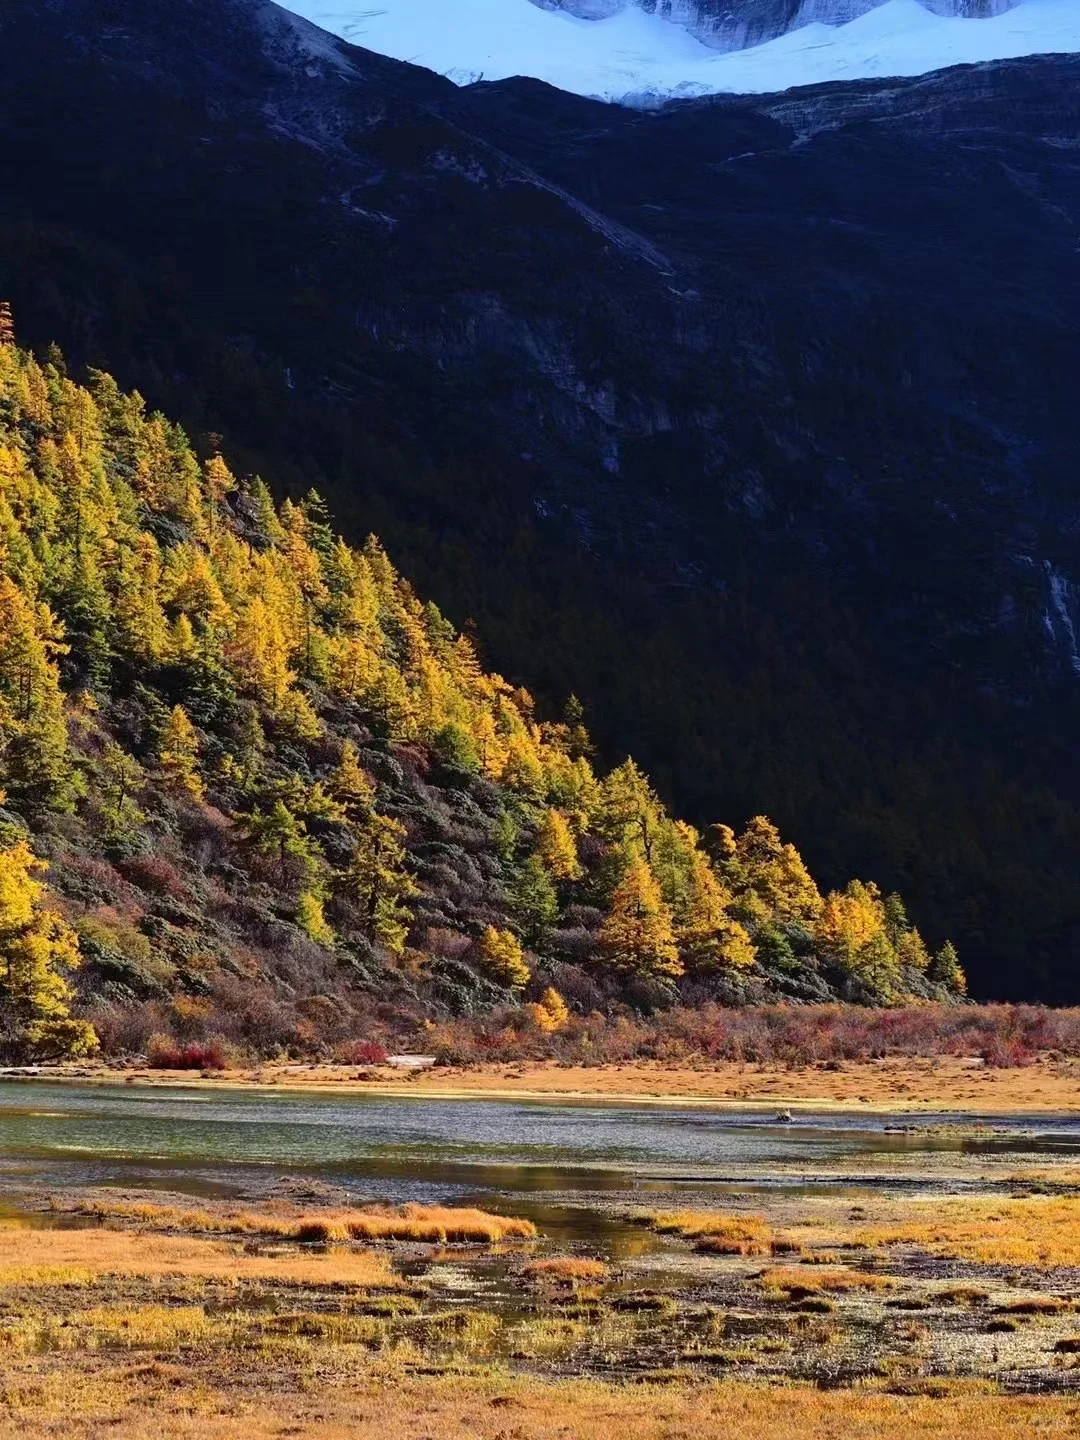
x: 164, y: 1053
x: 361, y: 1052
x: 156, y: 875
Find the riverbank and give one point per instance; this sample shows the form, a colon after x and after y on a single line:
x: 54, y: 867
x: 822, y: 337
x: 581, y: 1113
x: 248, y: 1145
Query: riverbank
x: 132, y: 1318
x: 897, y: 1086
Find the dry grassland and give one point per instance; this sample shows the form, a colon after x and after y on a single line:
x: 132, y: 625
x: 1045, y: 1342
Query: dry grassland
x: 158, y: 1401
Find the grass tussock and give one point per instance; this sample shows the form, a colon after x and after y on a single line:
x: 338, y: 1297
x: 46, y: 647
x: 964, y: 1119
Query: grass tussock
x: 1036, y: 1306
x: 432, y: 1224
x: 971, y: 1295
x: 716, y: 1234
x: 571, y: 1268
x: 796, y: 1283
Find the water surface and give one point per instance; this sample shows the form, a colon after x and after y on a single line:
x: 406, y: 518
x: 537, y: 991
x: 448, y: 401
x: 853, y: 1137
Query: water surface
x: 228, y: 1141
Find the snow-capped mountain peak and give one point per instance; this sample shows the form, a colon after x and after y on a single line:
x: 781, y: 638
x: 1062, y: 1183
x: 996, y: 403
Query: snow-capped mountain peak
x: 636, y: 50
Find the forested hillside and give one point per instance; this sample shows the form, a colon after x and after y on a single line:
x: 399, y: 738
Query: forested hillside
x: 750, y: 421
x: 260, y: 793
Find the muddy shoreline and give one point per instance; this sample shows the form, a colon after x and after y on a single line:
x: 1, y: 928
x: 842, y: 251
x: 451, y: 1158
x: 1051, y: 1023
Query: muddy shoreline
x: 904, y: 1088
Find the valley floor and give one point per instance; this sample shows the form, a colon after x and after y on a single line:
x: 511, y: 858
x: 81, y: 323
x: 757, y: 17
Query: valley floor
x: 126, y: 1314
x: 156, y: 1402
x: 897, y: 1085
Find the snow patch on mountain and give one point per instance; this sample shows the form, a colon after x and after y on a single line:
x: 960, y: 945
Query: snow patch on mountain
x: 630, y: 55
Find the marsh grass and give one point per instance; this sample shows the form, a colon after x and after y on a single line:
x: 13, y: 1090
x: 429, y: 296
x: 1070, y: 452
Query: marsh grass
x: 466, y: 1332
x: 718, y: 1234
x: 431, y: 1224
x: 572, y: 1269
x: 544, y: 1338
x: 795, y: 1283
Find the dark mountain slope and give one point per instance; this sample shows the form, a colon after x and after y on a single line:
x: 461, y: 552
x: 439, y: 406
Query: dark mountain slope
x: 752, y: 420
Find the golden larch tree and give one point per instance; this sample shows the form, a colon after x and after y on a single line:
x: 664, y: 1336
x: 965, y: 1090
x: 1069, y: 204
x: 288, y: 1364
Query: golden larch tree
x: 637, y: 936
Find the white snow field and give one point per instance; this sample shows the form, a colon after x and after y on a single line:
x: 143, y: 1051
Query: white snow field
x: 634, y: 57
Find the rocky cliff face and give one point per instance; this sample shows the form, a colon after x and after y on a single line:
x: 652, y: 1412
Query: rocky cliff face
x: 754, y: 420
x: 738, y: 24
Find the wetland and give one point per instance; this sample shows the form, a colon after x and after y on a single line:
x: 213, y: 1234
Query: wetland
x: 175, y: 1260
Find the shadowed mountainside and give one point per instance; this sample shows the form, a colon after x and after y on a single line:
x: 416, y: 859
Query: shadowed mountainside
x: 753, y: 421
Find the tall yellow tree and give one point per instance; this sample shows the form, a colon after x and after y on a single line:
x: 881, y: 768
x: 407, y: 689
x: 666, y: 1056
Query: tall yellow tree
x: 33, y: 730
x: 178, y: 753
x: 502, y: 957
x: 351, y: 786
x: 852, y: 932
x: 557, y: 848
x: 37, y: 951
x: 637, y: 936
x: 767, y: 877
x: 710, y: 938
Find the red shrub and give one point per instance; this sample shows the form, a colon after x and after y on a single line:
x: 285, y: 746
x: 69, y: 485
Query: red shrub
x: 164, y: 1054
x: 156, y: 875
x: 1005, y: 1054
x: 361, y: 1052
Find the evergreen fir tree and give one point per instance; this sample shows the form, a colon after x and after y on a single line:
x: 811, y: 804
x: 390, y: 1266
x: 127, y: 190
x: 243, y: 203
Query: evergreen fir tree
x: 378, y: 883
x: 945, y: 969
x: 535, y: 899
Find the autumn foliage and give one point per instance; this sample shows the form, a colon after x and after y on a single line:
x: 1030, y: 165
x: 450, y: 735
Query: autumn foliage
x: 266, y: 745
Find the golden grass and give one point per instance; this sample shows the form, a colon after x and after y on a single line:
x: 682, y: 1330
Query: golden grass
x: 434, y: 1224
x: 798, y: 1282
x: 161, y: 1402
x: 1039, y: 1230
x: 723, y: 1234
x: 89, y: 1256
x: 565, y: 1267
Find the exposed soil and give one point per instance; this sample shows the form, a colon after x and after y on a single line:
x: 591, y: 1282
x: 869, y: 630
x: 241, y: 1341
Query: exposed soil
x: 905, y: 1086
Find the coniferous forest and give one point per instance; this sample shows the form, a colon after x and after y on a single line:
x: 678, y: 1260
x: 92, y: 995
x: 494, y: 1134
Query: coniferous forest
x: 259, y: 794
x: 730, y: 501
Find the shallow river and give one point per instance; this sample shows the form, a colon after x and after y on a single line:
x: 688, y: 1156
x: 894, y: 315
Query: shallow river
x: 231, y: 1141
